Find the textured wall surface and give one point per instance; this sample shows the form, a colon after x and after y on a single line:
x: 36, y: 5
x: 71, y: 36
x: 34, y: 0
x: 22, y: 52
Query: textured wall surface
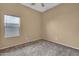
x: 30, y: 24
x: 61, y: 25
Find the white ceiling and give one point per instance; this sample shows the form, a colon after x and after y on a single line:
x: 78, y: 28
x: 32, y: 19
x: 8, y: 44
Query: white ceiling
x: 39, y: 8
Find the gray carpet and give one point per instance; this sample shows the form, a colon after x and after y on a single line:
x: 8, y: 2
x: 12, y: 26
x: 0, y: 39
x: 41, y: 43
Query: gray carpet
x: 41, y: 48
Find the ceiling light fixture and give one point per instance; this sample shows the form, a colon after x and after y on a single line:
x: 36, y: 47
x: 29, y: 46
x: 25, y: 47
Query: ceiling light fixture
x: 42, y: 4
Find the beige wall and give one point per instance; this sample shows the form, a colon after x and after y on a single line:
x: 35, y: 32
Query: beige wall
x: 30, y: 24
x: 61, y: 25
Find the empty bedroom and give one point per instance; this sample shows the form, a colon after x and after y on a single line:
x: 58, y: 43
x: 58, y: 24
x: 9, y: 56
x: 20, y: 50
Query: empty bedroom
x: 39, y: 29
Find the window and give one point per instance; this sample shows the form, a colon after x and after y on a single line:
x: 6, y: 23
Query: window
x: 12, y: 26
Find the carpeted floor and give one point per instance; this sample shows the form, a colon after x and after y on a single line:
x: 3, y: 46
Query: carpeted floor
x: 41, y: 48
